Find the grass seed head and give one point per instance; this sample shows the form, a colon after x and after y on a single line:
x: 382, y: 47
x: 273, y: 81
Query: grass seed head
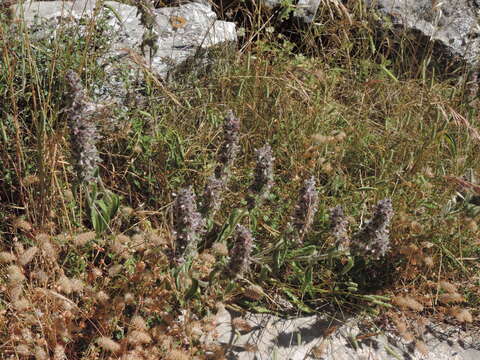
x: 408, y: 303
x: 15, y: 274
x: 27, y: 256
x: 21, y: 304
x: 64, y: 285
x: 108, y: 344
x: 40, y: 353
x: 138, y: 323
x: 241, y: 324
x: 178, y: 355
x: 83, y: 238
x: 421, y: 347
x: 59, y: 353
x: 220, y: 249
x: 428, y: 261
x: 450, y: 298
x: 115, y: 270
x: 22, y: 224
x: 448, y: 287
x: 23, y: 350
x: 463, y: 315
x: 7, y: 257
x: 77, y: 285
x: 137, y: 337
x: 102, y: 296
x: 253, y: 292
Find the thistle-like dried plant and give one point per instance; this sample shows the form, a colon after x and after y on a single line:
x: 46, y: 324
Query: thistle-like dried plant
x: 241, y: 251
x: 146, y: 10
x: 305, y: 209
x: 263, y: 180
x: 188, y: 223
x: 373, y: 239
x: 339, y: 225
x: 81, y: 115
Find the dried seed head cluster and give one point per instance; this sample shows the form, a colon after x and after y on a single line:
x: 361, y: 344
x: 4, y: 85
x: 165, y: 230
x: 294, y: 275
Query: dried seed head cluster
x: 407, y: 302
x: 83, y: 238
x: 188, y: 223
x: 108, y: 344
x: 220, y: 249
x: 241, y: 251
x: 81, y: 120
x: 22, y: 224
x: 462, y: 315
x: 217, y: 183
x: 263, y: 180
x: 48, y: 305
x: 339, y: 224
x: 373, y: 240
x: 253, y: 292
x: 305, y: 209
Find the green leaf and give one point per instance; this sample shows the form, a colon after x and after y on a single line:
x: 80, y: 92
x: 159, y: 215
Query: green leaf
x: 193, y: 289
x: 229, y: 227
x: 260, y: 309
x: 303, y: 307
x: 97, y: 221
x: 308, y: 278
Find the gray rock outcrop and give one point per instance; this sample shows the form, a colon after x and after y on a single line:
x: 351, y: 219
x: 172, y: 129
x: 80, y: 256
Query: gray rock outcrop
x: 263, y: 336
x: 183, y: 32
x: 454, y: 24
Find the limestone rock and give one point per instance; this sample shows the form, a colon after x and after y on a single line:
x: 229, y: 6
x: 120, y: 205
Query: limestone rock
x: 264, y: 336
x: 454, y: 24
x: 184, y: 31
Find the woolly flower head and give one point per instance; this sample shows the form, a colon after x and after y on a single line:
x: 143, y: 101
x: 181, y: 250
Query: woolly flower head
x: 212, y: 196
x: 263, y: 180
x: 305, y: 209
x: 339, y: 226
x: 188, y: 223
x: 241, y: 251
x: 373, y: 239
x: 230, y: 147
x: 83, y: 133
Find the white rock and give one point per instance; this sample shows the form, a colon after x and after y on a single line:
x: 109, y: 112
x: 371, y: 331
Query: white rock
x: 299, y: 338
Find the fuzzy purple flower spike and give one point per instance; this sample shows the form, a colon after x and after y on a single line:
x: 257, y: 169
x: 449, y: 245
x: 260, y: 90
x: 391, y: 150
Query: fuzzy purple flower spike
x: 373, y: 239
x: 339, y: 225
x: 305, y: 209
x: 81, y: 115
x: 241, y: 251
x: 188, y: 224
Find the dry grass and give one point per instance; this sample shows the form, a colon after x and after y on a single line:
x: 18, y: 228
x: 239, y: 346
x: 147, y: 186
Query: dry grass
x: 364, y: 124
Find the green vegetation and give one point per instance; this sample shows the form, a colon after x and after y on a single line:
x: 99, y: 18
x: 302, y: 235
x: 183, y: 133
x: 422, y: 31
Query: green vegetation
x: 102, y: 262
